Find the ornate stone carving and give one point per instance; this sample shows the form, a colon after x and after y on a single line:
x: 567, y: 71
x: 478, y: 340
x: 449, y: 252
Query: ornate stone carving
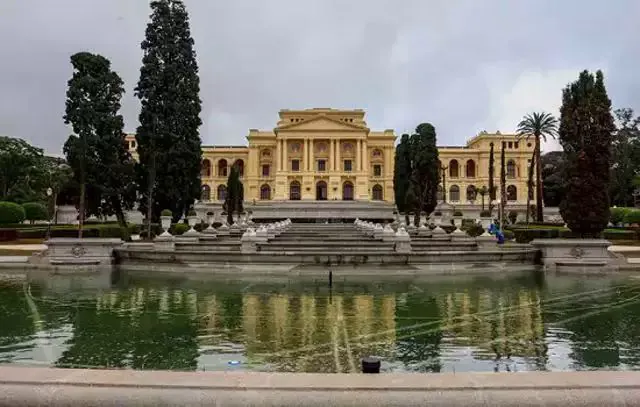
x: 78, y: 251
x: 577, y: 252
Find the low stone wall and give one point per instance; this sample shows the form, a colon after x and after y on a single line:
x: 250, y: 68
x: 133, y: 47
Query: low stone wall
x: 68, y: 388
x: 77, y: 252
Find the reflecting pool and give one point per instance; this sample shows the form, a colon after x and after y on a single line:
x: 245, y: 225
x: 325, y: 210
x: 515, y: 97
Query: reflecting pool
x: 517, y: 323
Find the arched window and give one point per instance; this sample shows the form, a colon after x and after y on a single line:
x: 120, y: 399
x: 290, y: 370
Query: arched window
x: 471, y: 193
x: 439, y: 196
x: 294, y: 191
x: 454, y: 193
x: 454, y: 169
x: 265, y: 192
x: 376, y: 193
x: 222, y: 168
x: 347, y: 191
x: 206, y: 193
x: 222, y: 192
x: 511, y: 169
x: 512, y: 193
x: 471, y: 169
x: 205, y: 169
x: 239, y: 164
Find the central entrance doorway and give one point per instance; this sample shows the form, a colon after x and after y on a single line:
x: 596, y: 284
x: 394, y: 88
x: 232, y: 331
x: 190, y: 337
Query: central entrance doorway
x: 321, y: 191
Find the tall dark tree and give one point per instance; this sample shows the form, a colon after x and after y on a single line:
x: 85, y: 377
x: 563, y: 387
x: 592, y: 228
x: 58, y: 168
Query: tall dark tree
x: 626, y: 157
x: 530, y: 185
x: 168, y: 140
x: 492, y: 187
x: 20, y: 166
x: 539, y: 125
x: 552, y: 171
x: 234, y: 201
x: 96, y: 151
x: 401, y: 173
x: 424, y: 169
x: 586, y: 133
x: 503, y: 181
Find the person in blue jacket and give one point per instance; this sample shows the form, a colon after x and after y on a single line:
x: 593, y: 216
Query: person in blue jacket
x: 495, y: 230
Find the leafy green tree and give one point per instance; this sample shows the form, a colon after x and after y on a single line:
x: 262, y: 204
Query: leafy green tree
x: 586, y: 134
x: 401, y: 173
x: 539, y: 125
x: 626, y: 157
x: 492, y: 187
x: 234, y: 201
x: 20, y: 169
x: 424, y: 169
x: 552, y: 169
x: 97, y: 151
x: 168, y: 139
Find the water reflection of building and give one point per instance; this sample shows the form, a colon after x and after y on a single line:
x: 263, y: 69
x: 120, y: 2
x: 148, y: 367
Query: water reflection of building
x: 310, y: 333
x: 495, y: 322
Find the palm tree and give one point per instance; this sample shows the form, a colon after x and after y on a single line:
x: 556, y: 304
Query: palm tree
x: 539, y: 125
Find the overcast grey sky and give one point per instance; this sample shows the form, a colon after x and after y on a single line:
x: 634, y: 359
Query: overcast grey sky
x: 464, y: 66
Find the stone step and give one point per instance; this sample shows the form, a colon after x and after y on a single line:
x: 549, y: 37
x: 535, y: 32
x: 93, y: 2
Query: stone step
x: 327, y: 244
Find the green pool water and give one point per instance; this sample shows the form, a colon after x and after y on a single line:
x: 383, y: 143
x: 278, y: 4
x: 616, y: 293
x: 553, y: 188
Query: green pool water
x: 518, y: 323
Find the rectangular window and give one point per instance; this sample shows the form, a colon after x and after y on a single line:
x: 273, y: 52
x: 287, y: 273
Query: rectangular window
x: 322, y: 165
x: 265, y: 170
x: 295, y: 165
x: 347, y: 165
x: 511, y: 144
x: 515, y: 144
x: 377, y: 170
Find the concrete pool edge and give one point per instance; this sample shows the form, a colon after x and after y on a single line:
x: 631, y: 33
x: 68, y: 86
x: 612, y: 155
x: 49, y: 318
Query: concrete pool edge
x: 35, y: 386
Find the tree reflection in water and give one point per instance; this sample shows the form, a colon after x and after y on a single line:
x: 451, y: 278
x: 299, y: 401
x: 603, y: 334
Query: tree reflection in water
x: 474, y: 324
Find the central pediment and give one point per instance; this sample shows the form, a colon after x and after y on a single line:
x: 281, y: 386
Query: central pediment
x: 321, y: 122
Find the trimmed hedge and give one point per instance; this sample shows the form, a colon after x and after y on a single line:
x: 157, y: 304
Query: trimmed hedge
x: 105, y: 231
x: 35, y: 211
x: 524, y: 235
x: 632, y: 216
x: 11, y: 213
x: 8, y: 235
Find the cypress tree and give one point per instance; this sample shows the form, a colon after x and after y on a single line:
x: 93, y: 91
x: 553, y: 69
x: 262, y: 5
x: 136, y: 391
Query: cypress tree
x: 424, y: 169
x: 234, y: 201
x: 96, y: 151
x: 492, y: 187
x: 586, y: 133
x: 401, y: 173
x: 168, y: 140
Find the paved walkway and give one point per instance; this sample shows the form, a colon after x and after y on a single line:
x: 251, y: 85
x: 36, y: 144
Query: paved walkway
x: 33, y: 247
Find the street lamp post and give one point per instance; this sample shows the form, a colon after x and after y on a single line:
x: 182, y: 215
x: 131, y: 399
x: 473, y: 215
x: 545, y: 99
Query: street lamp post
x: 49, y: 194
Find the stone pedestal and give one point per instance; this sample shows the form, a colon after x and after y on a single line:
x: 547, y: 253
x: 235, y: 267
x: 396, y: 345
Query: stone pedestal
x: 403, y: 241
x: 248, y: 242
x: 460, y: 235
x: 388, y: 235
x: 575, y: 255
x: 164, y: 242
x: 67, y: 215
x: 79, y: 252
x: 487, y: 241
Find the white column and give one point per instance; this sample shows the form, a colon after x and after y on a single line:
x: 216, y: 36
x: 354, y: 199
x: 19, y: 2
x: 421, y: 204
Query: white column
x: 279, y: 155
x: 358, y: 166
x: 285, y: 163
x: 365, y: 157
x: 312, y: 166
x: 332, y: 155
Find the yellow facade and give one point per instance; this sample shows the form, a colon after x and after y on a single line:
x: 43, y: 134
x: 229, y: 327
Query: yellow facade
x: 329, y: 154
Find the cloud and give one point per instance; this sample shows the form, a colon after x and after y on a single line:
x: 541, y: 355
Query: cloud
x: 461, y: 64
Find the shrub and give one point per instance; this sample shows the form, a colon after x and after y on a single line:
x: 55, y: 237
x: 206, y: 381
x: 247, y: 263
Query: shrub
x: 457, y: 213
x: 619, y: 234
x: 512, y: 216
x: 508, y: 234
x: 523, y: 235
x: 473, y: 229
x: 166, y: 212
x: 11, y: 213
x: 178, y: 228
x: 35, y: 211
x: 485, y: 214
x: 632, y: 216
x: 134, y: 229
x: 618, y: 215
